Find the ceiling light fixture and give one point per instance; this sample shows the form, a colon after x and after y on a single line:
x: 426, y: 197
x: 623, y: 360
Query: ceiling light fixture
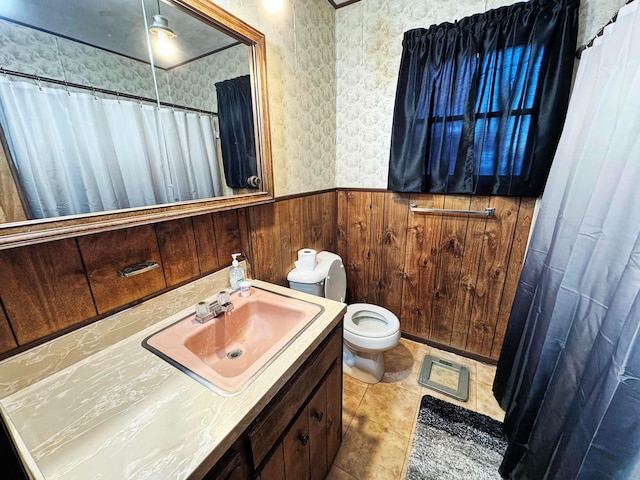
x: 160, y: 25
x: 272, y: 6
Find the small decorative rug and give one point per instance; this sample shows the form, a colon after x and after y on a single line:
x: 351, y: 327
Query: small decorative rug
x: 453, y: 443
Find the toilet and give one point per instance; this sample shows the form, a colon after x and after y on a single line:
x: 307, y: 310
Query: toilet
x: 369, y: 329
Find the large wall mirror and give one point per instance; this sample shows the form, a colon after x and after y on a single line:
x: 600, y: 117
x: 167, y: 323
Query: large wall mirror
x: 125, y: 112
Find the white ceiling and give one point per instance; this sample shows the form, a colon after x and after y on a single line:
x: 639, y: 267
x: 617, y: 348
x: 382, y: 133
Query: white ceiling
x: 116, y: 26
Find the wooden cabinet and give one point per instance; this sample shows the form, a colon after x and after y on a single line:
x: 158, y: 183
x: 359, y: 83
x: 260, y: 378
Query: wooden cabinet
x: 305, y: 446
x: 231, y: 467
x: 297, y: 436
x: 303, y: 453
x: 307, y: 449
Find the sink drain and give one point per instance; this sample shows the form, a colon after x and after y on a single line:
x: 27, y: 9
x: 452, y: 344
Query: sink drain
x: 233, y: 354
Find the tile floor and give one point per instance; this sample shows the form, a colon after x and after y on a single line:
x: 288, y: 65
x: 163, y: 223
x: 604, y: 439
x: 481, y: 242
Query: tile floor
x: 378, y: 420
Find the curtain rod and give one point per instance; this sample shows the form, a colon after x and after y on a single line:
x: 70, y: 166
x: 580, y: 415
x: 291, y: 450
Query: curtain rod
x: 589, y: 44
x: 30, y: 76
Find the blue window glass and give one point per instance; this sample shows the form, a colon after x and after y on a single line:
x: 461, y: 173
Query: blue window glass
x: 507, y: 82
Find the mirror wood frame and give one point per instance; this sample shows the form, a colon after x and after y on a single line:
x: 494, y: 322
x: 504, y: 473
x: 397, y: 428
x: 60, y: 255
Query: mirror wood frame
x: 44, y: 230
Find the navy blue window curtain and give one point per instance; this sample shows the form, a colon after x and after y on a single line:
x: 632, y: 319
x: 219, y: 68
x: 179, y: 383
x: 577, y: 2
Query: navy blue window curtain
x: 237, y: 137
x: 480, y: 103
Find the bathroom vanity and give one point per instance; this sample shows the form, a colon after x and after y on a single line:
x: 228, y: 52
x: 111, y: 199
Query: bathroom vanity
x: 95, y: 401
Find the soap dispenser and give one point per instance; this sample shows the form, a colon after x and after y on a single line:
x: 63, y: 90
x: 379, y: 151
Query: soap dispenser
x: 236, y: 274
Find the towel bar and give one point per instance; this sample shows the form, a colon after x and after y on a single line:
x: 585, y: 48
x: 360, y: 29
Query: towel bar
x: 487, y: 212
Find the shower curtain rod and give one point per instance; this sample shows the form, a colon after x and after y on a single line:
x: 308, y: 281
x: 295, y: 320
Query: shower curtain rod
x: 582, y: 48
x: 54, y: 81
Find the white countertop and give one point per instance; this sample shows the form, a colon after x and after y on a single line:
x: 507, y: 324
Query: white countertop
x: 96, y: 404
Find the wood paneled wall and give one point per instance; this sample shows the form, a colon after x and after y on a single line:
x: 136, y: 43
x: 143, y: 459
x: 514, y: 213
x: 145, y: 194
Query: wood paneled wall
x: 278, y: 230
x: 450, y: 279
x: 50, y: 288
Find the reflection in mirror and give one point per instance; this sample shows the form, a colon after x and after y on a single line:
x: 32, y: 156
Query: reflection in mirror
x: 97, y: 115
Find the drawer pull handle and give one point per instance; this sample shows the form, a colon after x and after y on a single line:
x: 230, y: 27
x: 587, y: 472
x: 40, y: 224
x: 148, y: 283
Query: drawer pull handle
x: 304, y: 439
x: 319, y: 416
x: 137, y: 269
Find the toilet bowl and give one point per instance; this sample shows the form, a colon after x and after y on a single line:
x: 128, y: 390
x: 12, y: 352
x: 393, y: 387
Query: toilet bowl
x: 369, y: 329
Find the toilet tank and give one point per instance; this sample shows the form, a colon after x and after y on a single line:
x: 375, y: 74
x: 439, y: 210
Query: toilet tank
x: 312, y: 288
x: 327, y: 279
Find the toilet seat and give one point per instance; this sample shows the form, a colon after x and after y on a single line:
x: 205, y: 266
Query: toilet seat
x: 372, y: 321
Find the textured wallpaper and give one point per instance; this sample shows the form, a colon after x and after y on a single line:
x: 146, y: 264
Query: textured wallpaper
x: 368, y: 48
x: 192, y: 85
x: 38, y: 53
x: 331, y: 76
x: 302, y: 90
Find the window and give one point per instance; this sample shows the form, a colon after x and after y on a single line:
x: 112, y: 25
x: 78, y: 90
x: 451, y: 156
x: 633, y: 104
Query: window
x: 481, y: 103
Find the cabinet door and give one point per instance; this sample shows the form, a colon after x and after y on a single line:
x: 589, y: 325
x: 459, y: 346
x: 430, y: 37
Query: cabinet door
x: 317, y: 411
x: 296, y: 449
x: 274, y: 468
x: 334, y: 412
x: 231, y: 467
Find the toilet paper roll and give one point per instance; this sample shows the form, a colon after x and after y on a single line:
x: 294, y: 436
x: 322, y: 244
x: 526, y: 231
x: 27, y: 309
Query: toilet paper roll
x: 306, y: 259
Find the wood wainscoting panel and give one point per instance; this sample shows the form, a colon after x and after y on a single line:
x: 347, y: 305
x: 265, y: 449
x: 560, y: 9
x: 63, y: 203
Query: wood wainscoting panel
x: 265, y: 242
x: 450, y: 279
x: 516, y: 259
x: 420, y: 266
x: 492, y: 269
x: 474, y: 243
x: 107, y: 253
x: 278, y: 230
x: 231, y: 232
x: 44, y: 289
x: 217, y: 236
x: 177, y: 243
x: 451, y: 249
x: 372, y: 239
x: 206, y: 247
x: 358, y: 232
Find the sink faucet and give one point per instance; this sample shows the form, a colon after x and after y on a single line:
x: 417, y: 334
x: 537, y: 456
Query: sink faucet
x: 206, y: 311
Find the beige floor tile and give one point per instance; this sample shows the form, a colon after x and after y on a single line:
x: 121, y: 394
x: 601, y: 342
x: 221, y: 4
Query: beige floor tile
x: 403, y: 364
x: 338, y: 474
x: 485, y: 372
x: 372, y: 451
x: 350, y: 402
x: 353, y: 385
x: 486, y: 402
x: 379, y: 420
x: 391, y: 406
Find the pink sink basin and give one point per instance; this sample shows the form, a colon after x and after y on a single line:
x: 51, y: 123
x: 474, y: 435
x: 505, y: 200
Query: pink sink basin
x: 226, y: 353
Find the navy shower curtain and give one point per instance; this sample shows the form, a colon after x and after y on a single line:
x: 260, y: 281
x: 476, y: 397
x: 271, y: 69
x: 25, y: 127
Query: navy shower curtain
x: 237, y: 137
x: 568, y: 375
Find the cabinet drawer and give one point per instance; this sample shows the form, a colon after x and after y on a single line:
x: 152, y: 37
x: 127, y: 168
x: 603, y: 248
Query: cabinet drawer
x: 268, y: 429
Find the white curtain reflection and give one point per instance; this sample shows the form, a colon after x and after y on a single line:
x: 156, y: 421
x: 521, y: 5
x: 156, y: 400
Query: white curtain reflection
x: 78, y: 153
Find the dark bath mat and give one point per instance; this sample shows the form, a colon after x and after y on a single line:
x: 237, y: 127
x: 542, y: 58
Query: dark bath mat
x: 453, y: 443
